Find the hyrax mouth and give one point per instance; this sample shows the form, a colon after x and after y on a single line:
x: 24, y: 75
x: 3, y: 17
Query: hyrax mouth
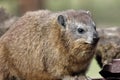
x: 87, y: 42
x: 93, y: 41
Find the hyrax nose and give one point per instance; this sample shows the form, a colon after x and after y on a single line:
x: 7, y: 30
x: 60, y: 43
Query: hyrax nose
x: 92, y: 39
x: 95, y: 38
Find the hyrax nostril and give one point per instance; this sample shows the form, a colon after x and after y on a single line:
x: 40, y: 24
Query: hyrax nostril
x: 95, y: 39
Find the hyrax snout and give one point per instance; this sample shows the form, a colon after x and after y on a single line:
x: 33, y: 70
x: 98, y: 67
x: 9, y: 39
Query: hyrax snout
x: 43, y: 45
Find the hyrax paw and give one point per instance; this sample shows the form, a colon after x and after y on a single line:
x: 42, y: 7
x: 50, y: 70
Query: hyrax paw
x: 88, y: 78
x: 76, y: 78
x: 70, y: 78
x: 84, y: 78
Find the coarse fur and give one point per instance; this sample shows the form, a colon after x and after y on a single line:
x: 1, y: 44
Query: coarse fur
x: 40, y: 47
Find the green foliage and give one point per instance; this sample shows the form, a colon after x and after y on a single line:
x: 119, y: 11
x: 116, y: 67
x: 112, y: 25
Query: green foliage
x: 105, y: 12
x: 94, y: 69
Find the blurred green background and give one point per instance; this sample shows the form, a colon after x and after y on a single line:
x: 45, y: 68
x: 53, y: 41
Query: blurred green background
x: 106, y: 13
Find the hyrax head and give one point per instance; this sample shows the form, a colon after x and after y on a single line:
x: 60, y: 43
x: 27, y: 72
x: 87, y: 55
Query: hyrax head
x: 79, y: 27
x: 79, y: 38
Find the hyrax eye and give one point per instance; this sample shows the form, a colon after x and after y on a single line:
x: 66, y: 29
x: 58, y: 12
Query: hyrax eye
x: 80, y: 30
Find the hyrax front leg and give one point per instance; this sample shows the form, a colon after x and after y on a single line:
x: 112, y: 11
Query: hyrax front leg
x: 70, y: 78
x: 76, y: 78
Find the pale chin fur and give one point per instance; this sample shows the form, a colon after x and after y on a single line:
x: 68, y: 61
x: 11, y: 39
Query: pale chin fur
x: 89, y: 41
x: 80, y: 41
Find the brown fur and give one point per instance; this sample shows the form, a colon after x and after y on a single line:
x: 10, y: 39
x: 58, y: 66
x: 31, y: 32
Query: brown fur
x: 36, y: 48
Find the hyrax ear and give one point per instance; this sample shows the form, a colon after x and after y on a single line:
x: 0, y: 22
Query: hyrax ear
x: 89, y: 13
x: 62, y: 20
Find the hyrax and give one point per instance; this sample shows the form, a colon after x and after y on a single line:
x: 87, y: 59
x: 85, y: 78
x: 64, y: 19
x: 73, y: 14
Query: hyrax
x: 43, y: 45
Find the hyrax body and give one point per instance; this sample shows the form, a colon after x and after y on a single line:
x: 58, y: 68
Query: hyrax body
x: 43, y: 45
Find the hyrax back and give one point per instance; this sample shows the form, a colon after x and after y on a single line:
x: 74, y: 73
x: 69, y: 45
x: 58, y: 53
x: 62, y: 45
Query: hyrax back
x: 43, y: 45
